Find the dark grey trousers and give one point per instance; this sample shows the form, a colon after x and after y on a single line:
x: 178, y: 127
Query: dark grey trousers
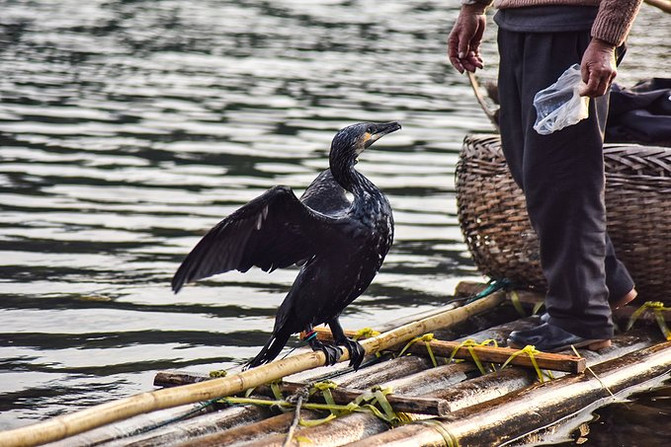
x: 562, y: 176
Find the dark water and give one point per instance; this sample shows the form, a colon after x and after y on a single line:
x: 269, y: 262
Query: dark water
x: 640, y: 421
x: 129, y: 127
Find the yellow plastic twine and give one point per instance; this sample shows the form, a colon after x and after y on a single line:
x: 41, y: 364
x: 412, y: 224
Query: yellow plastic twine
x: 603, y: 385
x: 531, y: 351
x: 450, y: 439
x: 656, y: 307
x: 427, y: 339
x: 366, y: 332
x: 366, y: 402
x: 378, y: 396
x: 470, y: 344
x: 517, y: 304
x: 515, y: 300
x: 325, y: 389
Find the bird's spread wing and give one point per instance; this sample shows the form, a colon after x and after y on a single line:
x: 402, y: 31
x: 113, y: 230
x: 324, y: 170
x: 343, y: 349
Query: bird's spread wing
x: 272, y: 231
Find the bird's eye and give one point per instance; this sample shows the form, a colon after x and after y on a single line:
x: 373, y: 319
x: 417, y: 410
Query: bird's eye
x: 369, y: 129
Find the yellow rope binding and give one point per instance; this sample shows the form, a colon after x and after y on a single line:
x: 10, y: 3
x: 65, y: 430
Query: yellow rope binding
x: 531, y: 351
x: 449, y: 438
x: 515, y: 300
x: 656, y: 307
x: 427, y: 339
x: 470, y: 344
x: 366, y: 332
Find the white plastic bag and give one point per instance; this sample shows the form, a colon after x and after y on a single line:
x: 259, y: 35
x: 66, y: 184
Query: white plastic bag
x: 559, y: 105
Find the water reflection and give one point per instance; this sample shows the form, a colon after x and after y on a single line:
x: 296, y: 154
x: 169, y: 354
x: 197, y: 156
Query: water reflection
x: 127, y: 128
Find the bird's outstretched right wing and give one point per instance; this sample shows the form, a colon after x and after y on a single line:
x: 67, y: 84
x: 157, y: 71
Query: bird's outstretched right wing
x: 272, y: 231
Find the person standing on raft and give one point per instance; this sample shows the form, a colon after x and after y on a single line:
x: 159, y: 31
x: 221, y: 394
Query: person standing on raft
x: 561, y: 174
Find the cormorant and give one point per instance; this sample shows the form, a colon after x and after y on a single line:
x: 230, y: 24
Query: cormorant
x: 340, y: 245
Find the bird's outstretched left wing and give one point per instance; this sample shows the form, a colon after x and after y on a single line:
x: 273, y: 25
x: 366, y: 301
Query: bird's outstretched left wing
x: 272, y: 231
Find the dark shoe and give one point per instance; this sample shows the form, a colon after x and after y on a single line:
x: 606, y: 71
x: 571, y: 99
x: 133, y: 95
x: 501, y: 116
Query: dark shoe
x: 614, y: 305
x: 549, y: 338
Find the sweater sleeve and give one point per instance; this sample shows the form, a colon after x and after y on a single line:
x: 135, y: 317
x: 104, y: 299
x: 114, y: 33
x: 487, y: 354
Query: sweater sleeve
x: 614, y: 20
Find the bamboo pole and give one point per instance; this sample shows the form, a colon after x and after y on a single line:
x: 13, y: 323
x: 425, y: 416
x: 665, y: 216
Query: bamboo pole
x: 138, y: 424
x: 341, y: 395
x: 338, y: 432
x: 555, y: 362
x: 664, y: 5
x: 526, y: 411
x: 71, y: 424
x: 475, y: 392
x: 182, y: 431
x: 478, y: 96
x: 274, y: 425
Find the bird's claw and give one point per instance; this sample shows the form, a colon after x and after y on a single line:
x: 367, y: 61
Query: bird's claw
x: 356, y: 352
x: 331, y: 352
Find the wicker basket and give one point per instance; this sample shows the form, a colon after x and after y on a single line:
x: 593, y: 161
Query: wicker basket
x: 493, y: 216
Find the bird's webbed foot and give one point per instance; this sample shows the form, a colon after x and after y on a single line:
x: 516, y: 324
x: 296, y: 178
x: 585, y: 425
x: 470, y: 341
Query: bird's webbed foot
x: 331, y: 352
x: 356, y: 351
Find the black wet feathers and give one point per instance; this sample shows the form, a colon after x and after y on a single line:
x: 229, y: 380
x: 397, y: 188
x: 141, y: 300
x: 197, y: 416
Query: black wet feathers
x: 340, y: 245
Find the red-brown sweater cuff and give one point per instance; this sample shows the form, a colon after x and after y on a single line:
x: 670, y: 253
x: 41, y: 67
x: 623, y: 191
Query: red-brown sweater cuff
x: 614, y: 20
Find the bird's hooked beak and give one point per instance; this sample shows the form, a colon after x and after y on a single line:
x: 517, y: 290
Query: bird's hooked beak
x: 380, y: 130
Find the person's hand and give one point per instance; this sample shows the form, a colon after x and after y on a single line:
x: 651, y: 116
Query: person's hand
x: 598, y: 68
x: 463, y: 45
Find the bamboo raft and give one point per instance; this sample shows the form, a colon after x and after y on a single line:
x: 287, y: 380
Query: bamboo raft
x: 409, y: 395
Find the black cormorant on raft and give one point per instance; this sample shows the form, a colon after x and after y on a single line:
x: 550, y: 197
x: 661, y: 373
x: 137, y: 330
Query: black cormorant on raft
x: 340, y: 245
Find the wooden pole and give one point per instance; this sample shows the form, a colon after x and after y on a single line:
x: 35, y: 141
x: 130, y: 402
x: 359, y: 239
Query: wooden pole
x: 442, y: 382
x: 664, y: 5
x: 273, y: 425
x: 478, y: 96
x: 490, y: 354
x: 341, y: 395
x: 183, y: 431
x: 71, y: 424
x: 517, y: 414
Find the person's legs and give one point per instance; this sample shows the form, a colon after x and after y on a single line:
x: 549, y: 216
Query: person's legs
x: 618, y: 280
x: 563, y: 180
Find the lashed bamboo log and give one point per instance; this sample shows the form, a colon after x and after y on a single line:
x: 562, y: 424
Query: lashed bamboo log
x: 275, y: 424
x: 218, y: 421
x: 555, y: 362
x: 170, y: 378
x: 474, y: 392
x: 434, y: 379
x: 341, y: 395
x: 124, y: 429
x: 70, y: 424
x: 384, y: 372
x: 340, y: 431
x: 344, y: 396
x: 515, y: 415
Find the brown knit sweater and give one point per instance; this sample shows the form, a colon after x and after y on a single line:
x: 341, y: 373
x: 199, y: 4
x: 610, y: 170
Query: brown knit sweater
x: 612, y: 23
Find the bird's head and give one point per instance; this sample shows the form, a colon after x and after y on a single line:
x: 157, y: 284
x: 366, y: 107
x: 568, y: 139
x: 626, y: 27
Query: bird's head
x: 352, y: 140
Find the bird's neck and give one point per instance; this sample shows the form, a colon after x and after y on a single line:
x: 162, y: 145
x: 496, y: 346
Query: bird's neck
x: 351, y: 179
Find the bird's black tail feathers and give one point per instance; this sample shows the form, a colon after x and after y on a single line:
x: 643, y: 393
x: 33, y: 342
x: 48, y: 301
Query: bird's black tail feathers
x: 271, y: 349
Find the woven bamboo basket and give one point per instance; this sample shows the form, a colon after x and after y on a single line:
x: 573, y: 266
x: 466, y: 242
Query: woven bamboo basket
x: 494, y: 221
